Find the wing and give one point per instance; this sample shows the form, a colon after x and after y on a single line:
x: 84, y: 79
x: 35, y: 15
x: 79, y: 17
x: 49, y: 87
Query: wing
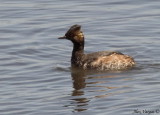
x: 95, y: 55
x: 108, y: 60
x: 89, y: 58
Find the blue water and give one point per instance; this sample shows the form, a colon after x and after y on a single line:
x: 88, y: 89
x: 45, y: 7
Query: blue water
x: 35, y: 73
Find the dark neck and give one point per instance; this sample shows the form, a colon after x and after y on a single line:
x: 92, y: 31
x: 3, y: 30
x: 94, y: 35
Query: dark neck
x: 78, y: 52
x: 78, y: 47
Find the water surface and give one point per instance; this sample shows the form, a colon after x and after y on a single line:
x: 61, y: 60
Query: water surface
x: 35, y: 73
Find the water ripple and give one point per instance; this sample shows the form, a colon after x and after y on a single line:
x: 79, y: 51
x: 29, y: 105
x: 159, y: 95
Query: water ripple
x: 35, y: 72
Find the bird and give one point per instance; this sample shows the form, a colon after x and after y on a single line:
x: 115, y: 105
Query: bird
x: 102, y: 60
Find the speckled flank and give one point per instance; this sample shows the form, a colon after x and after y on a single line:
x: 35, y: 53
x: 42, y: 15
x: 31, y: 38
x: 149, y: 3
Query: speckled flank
x: 112, y: 62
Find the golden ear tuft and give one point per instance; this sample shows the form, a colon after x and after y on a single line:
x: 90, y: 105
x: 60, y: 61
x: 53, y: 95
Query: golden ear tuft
x: 79, y: 37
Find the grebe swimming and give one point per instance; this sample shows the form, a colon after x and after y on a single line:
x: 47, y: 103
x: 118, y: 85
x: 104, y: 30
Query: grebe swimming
x: 103, y: 60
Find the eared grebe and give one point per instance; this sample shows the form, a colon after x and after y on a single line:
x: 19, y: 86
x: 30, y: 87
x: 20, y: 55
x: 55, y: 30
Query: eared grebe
x: 104, y: 60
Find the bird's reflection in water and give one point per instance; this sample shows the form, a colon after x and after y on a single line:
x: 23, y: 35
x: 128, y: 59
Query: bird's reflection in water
x: 89, y: 81
x: 78, y: 77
